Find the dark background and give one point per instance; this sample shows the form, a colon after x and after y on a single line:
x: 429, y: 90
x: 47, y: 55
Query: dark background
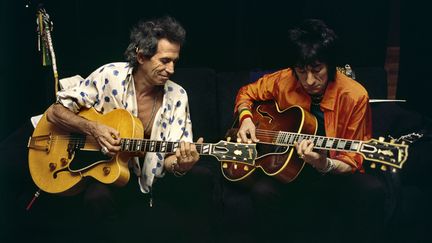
x: 226, y: 35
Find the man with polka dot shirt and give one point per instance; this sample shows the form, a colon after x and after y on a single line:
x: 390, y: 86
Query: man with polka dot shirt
x: 142, y: 87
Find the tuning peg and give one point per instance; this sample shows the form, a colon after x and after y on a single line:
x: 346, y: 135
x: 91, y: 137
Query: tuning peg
x: 381, y: 139
x: 228, y: 139
x: 246, y: 168
x: 383, y: 168
x: 373, y: 165
x: 235, y: 166
x: 224, y: 165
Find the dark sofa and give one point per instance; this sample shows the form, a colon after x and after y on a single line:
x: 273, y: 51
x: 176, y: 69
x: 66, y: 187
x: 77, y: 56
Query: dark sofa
x: 211, y: 99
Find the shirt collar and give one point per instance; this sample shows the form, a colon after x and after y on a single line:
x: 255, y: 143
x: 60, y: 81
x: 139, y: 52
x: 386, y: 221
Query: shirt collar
x: 328, y: 101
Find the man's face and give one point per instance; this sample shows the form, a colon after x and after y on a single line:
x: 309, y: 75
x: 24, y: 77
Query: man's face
x: 160, y: 66
x: 313, y: 78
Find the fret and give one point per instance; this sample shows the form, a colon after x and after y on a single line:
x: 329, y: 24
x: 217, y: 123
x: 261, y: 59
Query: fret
x: 138, y: 145
x: 174, y: 146
x: 319, y: 142
x: 314, y: 139
x: 163, y: 146
x: 299, y: 138
x: 126, y: 147
x: 144, y: 147
x: 279, y: 138
x: 152, y: 146
x: 291, y: 139
x: 329, y: 143
x: 302, y: 137
x: 335, y: 143
x: 122, y: 145
x: 158, y: 146
x: 355, y: 145
x: 130, y: 145
x: 205, y: 149
x: 133, y: 145
x: 168, y: 147
x: 284, y: 137
x: 341, y: 144
x: 348, y: 145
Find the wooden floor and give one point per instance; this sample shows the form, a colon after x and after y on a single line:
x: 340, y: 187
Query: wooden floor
x: 392, y: 68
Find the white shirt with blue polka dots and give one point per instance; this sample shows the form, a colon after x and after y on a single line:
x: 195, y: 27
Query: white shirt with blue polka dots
x: 110, y: 87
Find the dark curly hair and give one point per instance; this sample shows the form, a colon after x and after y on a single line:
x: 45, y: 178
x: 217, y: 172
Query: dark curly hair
x: 312, y: 41
x: 146, y: 34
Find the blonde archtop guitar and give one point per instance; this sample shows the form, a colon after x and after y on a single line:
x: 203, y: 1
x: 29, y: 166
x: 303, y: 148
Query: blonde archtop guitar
x: 60, y: 161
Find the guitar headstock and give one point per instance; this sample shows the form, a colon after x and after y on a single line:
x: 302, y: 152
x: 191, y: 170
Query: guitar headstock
x: 408, y: 138
x: 391, y: 153
x: 43, y: 20
x: 44, y: 28
x: 235, y: 152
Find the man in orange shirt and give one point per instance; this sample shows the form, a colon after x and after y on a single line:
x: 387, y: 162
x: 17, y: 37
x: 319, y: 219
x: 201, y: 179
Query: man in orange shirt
x: 341, y: 106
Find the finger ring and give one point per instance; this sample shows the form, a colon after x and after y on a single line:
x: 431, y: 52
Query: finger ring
x: 104, y: 150
x: 301, y: 156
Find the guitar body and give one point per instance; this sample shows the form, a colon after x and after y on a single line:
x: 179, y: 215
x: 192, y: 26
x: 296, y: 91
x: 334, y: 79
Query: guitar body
x: 274, y: 160
x: 59, y: 162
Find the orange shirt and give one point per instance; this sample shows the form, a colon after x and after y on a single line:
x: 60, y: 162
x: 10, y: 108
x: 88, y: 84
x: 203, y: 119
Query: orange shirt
x: 345, y: 105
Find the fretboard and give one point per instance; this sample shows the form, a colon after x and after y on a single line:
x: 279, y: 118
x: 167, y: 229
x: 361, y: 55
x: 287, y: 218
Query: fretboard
x: 320, y: 142
x: 146, y: 145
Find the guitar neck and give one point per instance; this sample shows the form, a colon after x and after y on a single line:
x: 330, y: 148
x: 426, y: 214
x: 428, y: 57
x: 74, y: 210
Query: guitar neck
x: 147, y: 145
x: 320, y: 142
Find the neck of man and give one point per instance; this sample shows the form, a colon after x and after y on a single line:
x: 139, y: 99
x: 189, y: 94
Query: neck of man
x: 142, y: 86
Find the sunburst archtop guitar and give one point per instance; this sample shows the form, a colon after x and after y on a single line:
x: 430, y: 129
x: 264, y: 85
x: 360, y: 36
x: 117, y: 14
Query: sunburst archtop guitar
x: 60, y: 161
x: 278, y: 130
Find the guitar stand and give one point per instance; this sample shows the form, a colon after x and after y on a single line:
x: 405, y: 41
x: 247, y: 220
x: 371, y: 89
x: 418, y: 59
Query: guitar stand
x: 36, y: 195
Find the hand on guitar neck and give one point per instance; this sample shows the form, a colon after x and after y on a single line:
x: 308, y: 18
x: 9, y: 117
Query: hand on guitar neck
x: 305, y: 151
x: 184, y: 158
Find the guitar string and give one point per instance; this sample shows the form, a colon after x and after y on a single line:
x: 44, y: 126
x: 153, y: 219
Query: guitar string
x: 94, y: 142
x: 274, y: 134
x: 259, y: 132
x: 81, y: 141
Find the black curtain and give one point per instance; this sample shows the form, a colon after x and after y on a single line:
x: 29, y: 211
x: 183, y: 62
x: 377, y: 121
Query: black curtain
x: 415, y: 81
x: 226, y: 35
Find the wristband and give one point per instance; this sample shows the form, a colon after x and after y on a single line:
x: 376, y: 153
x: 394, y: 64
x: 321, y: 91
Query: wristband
x: 329, y: 166
x: 245, y: 114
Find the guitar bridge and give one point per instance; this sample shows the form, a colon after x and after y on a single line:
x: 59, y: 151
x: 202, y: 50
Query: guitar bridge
x: 40, y: 143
